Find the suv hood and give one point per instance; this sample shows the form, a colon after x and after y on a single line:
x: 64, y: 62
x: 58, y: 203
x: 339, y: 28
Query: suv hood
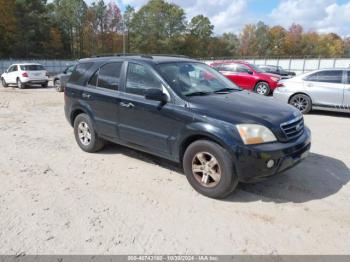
x: 243, y: 107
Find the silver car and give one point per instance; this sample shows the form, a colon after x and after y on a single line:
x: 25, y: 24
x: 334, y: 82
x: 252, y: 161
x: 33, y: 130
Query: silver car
x: 327, y: 89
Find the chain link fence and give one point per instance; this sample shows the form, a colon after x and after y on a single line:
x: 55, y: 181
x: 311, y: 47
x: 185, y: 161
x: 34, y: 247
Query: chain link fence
x: 297, y: 65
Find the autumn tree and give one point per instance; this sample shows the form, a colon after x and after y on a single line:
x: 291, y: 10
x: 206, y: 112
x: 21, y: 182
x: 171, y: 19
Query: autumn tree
x: 8, y: 27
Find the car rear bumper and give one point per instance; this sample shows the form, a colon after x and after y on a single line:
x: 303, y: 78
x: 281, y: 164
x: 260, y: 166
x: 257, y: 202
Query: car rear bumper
x: 251, y: 165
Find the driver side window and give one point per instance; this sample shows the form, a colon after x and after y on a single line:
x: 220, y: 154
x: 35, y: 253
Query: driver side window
x: 140, y: 78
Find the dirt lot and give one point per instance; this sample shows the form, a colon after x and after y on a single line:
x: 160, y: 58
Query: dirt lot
x: 55, y: 199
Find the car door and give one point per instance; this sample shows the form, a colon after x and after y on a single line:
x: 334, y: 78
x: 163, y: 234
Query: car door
x: 147, y: 124
x: 7, y: 75
x: 326, y: 88
x: 102, y: 96
x: 346, y: 100
x: 246, y: 76
x: 230, y: 72
x: 12, y: 75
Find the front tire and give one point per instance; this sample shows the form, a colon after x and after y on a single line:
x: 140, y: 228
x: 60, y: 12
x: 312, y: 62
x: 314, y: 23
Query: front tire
x: 85, y: 135
x: 20, y: 85
x: 58, y: 87
x: 3, y: 82
x: 302, y: 102
x: 209, y: 169
x: 262, y: 88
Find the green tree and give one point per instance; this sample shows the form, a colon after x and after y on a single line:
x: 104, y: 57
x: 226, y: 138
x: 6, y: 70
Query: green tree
x: 157, y: 27
x: 8, y: 27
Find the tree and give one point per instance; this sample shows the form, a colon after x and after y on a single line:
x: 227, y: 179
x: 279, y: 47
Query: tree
x: 8, y: 27
x: 248, y: 41
x: 157, y: 27
x: 71, y: 15
x: 127, y: 19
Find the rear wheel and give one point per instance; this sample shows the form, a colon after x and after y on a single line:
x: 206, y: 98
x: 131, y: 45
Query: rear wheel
x: 20, y: 85
x: 209, y: 169
x: 57, y: 84
x: 301, y: 102
x: 3, y: 82
x: 262, y: 88
x: 85, y: 134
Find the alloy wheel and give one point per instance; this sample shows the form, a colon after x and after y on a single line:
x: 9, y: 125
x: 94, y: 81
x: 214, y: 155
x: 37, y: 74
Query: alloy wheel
x: 206, y: 169
x: 84, y: 133
x: 299, y: 102
x: 262, y: 89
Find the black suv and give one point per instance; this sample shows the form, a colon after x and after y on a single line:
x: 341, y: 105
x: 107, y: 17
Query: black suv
x: 185, y: 111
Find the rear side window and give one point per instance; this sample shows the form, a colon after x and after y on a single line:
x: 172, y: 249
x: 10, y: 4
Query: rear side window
x: 108, y: 76
x: 78, y: 73
x: 32, y: 67
x: 348, y: 77
x: 330, y: 76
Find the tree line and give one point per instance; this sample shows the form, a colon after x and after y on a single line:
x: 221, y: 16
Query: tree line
x: 74, y: 29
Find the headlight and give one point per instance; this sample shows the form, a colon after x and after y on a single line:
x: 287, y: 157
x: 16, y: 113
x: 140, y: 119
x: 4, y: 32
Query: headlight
x: 255, y: 134
x: 276, y: 79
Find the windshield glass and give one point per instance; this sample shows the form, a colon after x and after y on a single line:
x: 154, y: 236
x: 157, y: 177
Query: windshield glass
x: 257, y: 69
x: 191, y: 78
x: 32, y: 67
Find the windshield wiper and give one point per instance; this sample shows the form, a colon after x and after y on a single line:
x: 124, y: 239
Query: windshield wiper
x: 200, y: 93
x: 226, y: 90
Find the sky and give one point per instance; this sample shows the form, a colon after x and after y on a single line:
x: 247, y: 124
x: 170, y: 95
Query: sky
x: 231, y: 15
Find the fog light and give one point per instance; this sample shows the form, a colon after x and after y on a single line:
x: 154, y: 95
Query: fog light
x: 270, y: 163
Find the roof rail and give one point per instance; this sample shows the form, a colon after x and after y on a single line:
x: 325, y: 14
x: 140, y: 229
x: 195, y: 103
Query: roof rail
x: 149, y: 56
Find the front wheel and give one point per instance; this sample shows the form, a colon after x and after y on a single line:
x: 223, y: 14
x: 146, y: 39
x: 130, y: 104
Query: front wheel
x: 262, y: 88
x: 58, y: 86
x: 301, y: 102
x: 3, y: 82
x: 209, y: 169
x: 85, y: 134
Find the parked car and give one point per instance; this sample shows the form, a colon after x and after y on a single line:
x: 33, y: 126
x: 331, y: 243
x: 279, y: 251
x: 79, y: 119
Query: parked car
x: 327, y: 89
x: 183, y: 110
x: 248, y: 76
x: 277, y: 70
x: 60, y: 80
x: 24, y: 75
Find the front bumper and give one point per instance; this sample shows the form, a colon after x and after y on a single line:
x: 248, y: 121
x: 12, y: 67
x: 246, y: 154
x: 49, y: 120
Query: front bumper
x: 251, y: 164
x: 281, y: 96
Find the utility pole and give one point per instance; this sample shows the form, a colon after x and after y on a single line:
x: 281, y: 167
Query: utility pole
x: 124, y: 44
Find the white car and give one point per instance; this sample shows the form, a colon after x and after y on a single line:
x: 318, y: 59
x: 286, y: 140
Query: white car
x: 327, y: 89
x: 24, y: 75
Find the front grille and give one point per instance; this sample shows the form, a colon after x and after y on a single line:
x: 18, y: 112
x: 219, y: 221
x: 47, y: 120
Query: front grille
x: 293, y: 128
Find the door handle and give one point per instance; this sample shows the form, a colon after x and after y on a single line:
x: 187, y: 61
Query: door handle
x: 127, y: 105
x: 87, y: 96
x: 310, y: 85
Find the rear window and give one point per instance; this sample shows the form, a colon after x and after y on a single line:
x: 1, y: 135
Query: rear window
x: 32, y: 67
x: 329, y: 76
x: 79, y: 72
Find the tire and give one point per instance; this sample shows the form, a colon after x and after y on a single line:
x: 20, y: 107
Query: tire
x: 45, y: 85
x: 262, y: 88
x: 3, y: 82
x: 85, y: 135
x: 213, y: 186
x: 302, y: 102
x: 20, y: 85
x: 57, y: 84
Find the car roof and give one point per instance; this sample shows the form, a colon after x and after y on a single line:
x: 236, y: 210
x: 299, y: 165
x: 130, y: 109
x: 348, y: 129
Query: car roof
x: 150, y: 59
x: 25, y: 64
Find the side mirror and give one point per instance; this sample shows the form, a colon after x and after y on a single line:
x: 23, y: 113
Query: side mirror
x: 156, y: 95
x: 250, y: 72
x: 6, y: 71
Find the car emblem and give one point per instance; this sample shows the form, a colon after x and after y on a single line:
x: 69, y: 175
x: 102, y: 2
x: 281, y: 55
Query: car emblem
x: 298, y: 127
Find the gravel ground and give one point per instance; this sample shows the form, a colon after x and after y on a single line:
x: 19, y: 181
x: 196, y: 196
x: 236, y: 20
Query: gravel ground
x: 56, y: 199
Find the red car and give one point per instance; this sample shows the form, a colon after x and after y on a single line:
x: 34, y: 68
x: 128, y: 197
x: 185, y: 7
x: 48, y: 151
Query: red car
x: 248, y: 76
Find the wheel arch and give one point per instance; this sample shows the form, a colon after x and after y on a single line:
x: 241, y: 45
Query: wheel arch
x: 300, y: 93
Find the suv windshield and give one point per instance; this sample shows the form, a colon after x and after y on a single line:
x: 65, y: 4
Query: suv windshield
x: 32, y: 67
x: 192, y: 79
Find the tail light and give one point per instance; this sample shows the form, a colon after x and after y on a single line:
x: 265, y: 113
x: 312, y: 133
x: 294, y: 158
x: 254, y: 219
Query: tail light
x: 25, y: 74
x: 47, y: 74
x: 280, y: 84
